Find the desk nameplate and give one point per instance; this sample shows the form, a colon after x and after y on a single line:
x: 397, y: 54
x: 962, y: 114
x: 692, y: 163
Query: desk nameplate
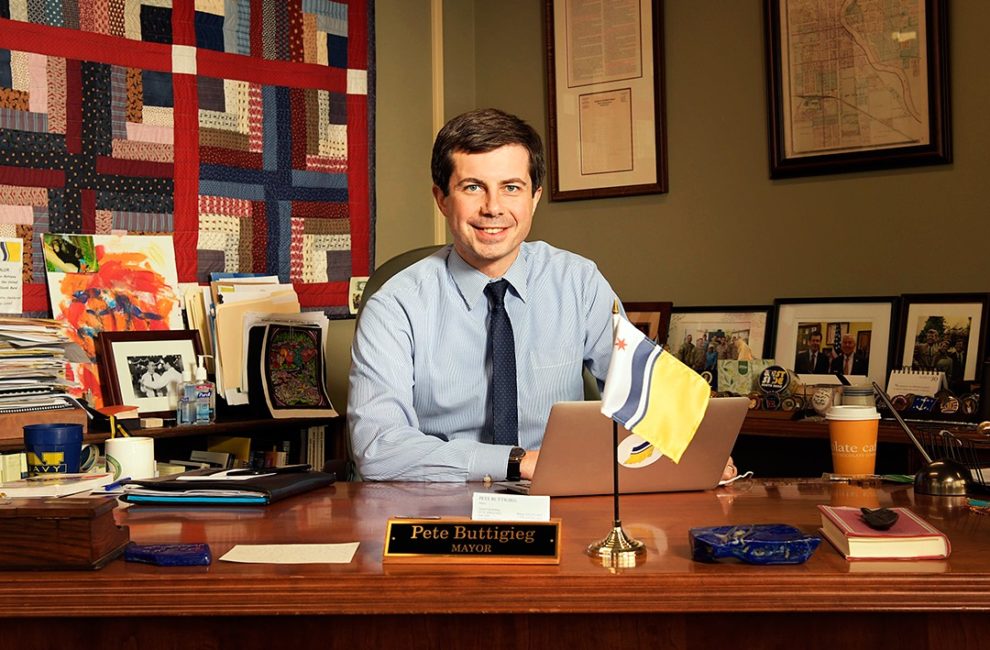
x: 455, y: 540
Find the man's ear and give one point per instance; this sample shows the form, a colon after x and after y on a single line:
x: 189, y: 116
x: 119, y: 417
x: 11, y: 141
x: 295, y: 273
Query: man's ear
x: 440, y: 198
x: 536, y: 198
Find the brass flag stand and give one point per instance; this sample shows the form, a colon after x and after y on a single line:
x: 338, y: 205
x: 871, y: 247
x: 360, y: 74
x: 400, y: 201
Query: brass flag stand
x: 617, y: 549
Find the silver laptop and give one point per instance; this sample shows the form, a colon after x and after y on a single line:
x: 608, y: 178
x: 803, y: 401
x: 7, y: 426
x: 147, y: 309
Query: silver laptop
x: 576, y: 457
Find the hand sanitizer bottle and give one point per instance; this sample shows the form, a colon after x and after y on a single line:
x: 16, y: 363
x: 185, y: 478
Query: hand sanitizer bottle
x: 205, y: 404
x: 185, y: 412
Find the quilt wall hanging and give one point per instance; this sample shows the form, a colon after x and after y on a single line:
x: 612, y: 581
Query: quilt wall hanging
x: 243, y: 128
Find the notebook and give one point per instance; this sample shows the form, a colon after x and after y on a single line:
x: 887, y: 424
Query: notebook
x: 576, y: 456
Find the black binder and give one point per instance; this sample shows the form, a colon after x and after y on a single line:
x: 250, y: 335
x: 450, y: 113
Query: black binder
x: 260, y: 490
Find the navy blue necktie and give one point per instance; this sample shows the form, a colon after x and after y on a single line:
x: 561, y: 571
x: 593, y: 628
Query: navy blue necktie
x: 502, y: 346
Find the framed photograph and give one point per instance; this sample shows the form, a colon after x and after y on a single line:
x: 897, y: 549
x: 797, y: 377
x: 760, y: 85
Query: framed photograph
x: 141, y: 368
x: 652, y: 318
x: 851, y: 90
x: 944, y: 332
x: 825, y: 337
x: 606, y: 127
x: 701, y: 336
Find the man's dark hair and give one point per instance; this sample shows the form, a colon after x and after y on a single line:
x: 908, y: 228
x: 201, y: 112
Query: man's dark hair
x: 481, y: 131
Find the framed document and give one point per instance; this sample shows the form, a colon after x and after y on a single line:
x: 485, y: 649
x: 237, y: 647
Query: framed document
x: 852, y: 88
x: 606, y: 128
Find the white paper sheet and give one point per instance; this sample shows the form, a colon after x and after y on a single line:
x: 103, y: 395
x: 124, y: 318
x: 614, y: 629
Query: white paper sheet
x: 292, y: 553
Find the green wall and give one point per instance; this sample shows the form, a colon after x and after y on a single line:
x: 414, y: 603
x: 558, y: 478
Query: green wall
x: 725, y: 233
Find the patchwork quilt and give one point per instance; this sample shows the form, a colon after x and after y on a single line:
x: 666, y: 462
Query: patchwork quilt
x: 242, y: 127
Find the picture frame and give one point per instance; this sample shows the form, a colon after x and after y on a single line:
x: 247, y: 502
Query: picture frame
x: 126, y: 359
x: 606, y: 122
x: 751, y: 323
x: 957, y: 318
x: 879, y: 103
x: 840, y: 318
x: 651, y: 318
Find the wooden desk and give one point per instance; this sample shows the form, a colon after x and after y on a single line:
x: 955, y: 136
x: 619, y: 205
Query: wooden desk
x: 669, y: 601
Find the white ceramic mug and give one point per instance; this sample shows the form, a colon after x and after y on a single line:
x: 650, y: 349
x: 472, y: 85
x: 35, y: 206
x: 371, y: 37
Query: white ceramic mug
x: 131, y: 457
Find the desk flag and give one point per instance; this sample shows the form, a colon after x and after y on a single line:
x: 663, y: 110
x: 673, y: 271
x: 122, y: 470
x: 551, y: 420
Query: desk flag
x: 652, y: 394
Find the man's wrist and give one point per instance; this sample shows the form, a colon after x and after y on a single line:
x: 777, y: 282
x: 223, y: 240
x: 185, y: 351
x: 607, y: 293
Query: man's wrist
x: 512, y: 470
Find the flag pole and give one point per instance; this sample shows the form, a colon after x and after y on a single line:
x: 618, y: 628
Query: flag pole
x: 617, y: 549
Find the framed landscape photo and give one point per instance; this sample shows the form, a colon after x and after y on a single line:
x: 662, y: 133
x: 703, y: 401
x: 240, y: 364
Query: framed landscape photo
x: 851, y: 90
x: 141, y: 368
x: 606, y: 132
x: 944, y: 332
x: 651, y: 318
x: 828, y: 336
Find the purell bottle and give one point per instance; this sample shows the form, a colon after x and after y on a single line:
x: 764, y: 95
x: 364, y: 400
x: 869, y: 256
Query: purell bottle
x: 185, y: 412
x: 206, y: 396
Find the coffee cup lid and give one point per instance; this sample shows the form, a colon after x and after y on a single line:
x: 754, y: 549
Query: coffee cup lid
x: 852, y: 412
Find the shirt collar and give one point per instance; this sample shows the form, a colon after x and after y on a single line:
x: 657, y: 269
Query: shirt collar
x: 471, y: 282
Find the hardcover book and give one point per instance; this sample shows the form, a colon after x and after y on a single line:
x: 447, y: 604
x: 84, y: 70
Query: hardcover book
x: 910, y: 538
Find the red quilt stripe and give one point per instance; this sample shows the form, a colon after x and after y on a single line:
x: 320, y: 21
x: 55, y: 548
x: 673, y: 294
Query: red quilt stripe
x: 35, y: 297
x: 322, y: 294
x: 31, y: 177
x: 357, y: 32
x: 358, y: 192
x: 85, y: 46
x: 186, y: 175
x: 231, y: 157
x: 73, y: 106
x: 127, y: 167
x: 210, y: 63
x: 183, y: 22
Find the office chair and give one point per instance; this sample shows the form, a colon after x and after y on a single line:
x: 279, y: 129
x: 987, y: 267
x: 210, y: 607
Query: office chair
x: 402, y: 260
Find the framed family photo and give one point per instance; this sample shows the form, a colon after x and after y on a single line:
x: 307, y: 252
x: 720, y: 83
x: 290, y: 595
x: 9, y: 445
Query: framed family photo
x: 651, y: 318
x: 944, y: 332
x: 830, y: 336
x: 141, y: 368
x: 850, y: 89
x: 606, y: 132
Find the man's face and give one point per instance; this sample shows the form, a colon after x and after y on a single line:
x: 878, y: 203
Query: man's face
x: 490, y: 206
x: 931, y: 334
x: 815, y: 342
x: 960, y: 346
x: 848, y: 345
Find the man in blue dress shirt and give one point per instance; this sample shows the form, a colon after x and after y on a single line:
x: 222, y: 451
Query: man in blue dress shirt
x: 419, y: 403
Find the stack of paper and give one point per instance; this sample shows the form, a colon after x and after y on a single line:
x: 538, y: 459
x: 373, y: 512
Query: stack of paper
x: 231, y: 303
x: 33, y: 354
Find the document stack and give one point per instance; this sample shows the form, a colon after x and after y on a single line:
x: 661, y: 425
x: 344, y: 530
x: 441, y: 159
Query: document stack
x: 33, y: 353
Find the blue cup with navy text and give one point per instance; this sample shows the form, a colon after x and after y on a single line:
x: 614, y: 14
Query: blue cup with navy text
x: 57, y: 449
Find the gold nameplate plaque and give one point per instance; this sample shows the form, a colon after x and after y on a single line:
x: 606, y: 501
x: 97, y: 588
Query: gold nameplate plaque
x: 466, y: 541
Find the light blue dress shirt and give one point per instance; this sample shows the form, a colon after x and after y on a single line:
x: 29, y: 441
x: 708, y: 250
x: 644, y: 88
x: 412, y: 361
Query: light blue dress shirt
x: 419, y: 381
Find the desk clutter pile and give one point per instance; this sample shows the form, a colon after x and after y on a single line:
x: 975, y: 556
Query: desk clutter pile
x: 771, y: 387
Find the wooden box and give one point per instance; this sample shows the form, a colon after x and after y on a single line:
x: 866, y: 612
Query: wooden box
x: 66, y: 533
x: 12, y: 424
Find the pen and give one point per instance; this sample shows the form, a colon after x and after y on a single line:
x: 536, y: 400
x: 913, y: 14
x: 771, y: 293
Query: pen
x: 116, y: 484
x: 284, y: 469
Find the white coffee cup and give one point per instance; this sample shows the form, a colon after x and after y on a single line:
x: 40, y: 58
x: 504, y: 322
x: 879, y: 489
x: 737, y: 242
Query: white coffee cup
x: 131, y: 457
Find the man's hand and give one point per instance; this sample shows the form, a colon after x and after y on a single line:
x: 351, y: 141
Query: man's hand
x: 528, y: 463
x: 730, y: 470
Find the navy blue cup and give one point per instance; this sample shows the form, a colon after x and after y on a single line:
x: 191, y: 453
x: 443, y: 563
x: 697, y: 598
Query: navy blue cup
x: 57, y: 449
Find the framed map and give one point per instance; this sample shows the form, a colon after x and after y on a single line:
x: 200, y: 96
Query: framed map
x: 853, y: 86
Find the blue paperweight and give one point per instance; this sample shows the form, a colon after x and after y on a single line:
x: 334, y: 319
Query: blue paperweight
x: 169, y: 554
x: 752, y: 543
